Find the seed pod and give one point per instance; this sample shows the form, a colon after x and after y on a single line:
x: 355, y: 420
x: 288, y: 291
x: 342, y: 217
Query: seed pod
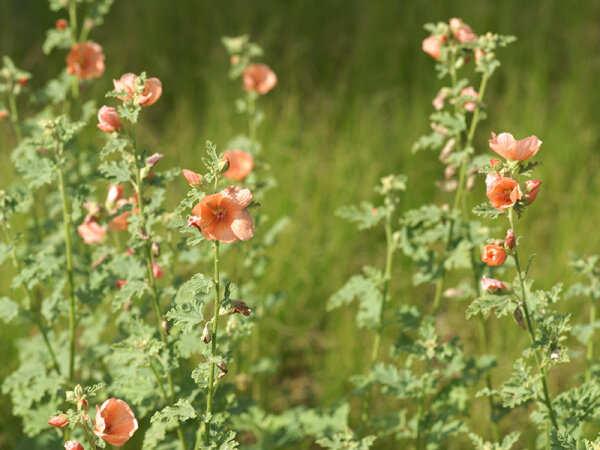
x: 155, y: 249
x: 223, y: 369
x: 165, y: 325
x: 518, y: 315
x: 206, y: 333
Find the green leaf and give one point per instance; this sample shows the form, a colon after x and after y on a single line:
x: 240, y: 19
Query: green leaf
x: 181, y: 411
x: 481, y: 305
x: 8, y: 309
x: 186, y: 315
x: 487, y: 210
x: 131, y: 290
x: 366, y: 216
x: 116, y: 172
x: 366, y: 292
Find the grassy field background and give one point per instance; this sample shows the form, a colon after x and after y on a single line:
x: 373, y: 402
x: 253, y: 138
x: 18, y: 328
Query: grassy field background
x: 354, y: 93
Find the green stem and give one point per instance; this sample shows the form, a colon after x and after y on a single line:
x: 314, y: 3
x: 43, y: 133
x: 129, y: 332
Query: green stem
x: 89, y: 437
x: 530, y: 326
x: 590, y: 344
x: 422, y: 398
x: 252, y: 119
x: 14, y: 115
x: 69, y: 252
x: 158, y: 380
x: 150, y: 274
x: 387, y: 275
x: 73, y: 20
x: 213, y: 351
x: 34, y: 311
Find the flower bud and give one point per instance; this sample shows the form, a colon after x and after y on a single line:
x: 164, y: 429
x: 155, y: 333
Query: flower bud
x: 532, y: 187
x: 157, y: 271
x: 491, y: 284
x: 73, y: 445
x: 22, y: 81
x: 154, y: 159
x: 223, y: 166
x: 61, y: 24
x: 478, y: 55
x: 495, y: 161
x: 60, y: 421
x: 109, y: 120
x: 3, y: 114
x: 222, y: 369
x: 518, y: 316
x: 510, y: 241
x: 206, y: 333
x: 192, y: 177
x: 155, y: 249
x: 166, y: 326
x: 237, y: 306
x: 235, y: 60
x: 83, y: 405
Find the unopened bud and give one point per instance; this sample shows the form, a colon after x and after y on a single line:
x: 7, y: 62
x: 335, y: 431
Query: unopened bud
x: 518, y: 315
x: 496, y: 164
x: 157, y: 271
x: 61, y: 24
x: 555, y: 356
x: 206, y: 333
x: 144, y: 234
x: 155, y: 249
x: 449, y: 172
x: 192, y: 177
x: 60, y: 421
x: 154, y: 159
x: 22, y: 81
x: 73, y: 445
x: 235, y: 59
x: 510, y: 241
x: 223, y: 166
x: 3, y: 114
x: 83, y: 405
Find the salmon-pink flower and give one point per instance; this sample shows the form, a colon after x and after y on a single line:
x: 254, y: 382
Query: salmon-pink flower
x: 108, y: 119
x: 506, y: 146
x: 490, y: 178
x: 152, y: 89
x: 462, y: 32
x: 223, y: 216
x: 61, y: 24
x: 157, y: 271
x: 120, y: 222
x: 114, y: 194
x: 85, y: 60
x: 503, y: 192
x: 493, y: 255
x: 115, y: 422
x: 532, y: 187
x: 438, y: 101
x: 493, y: 162
x: 241, y: 164
x: 91, y: 232
x: 510, y: 240
x: 59, y: 421
x: 73, y: 445
x: 469, y: 105
x: 259, y: 78
x: 192, y: 177
x: 432, y: 46
x: 491, y: 284
x: 478, y: 55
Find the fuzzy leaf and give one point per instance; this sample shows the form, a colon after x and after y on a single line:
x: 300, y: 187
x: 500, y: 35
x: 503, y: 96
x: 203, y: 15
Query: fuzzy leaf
x: 365, y: 215
x: 181, y: 411
x: 186, y: 315
x: 8, y: 309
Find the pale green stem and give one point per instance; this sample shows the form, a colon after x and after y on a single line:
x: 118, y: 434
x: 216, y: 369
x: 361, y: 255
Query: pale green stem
x: 150, y: 274
x: 252, y: 119
x: 73, y: 27
x: 422, y: 398
x: 69, y: 255
x: 387, y: 275
x: 213, y: 351
x: 530, y: 325
x: 89, y: 437
x: 33, y: 310
x: 158, y: 380
x: 590, y: 344
x: 14, y: 114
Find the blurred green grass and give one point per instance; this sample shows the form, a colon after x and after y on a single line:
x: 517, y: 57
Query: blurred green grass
x: 354, y: 93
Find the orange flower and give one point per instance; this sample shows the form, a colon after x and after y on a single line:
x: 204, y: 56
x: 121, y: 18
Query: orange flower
x: 152, y: 89
x: 114, y: 194
x: 432, y: 46
x: 223, y: 216
x: 192, y: 177
x: 532, y: 187
x: 493, y: 255
x: 259, y: 78
x: 73, y: 445
x: 491, y: 284
x: 85, y: 60
x: 108, y: 119
x: 502, y: 192
x: 506, y: 146
x: 462, y: 32
x: 91, y: 232
x: 115, y: 422
x: 119, y: 223
x: 240, y: 164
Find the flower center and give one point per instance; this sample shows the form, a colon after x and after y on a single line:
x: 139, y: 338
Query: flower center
x: 220, y: 213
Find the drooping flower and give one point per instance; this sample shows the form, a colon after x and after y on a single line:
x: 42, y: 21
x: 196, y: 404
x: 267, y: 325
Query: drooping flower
x: 502, y: 192
x: 73, y: 445
x: 491, y: 284
x: 506, y: 146
x: 240, y: 307
x: 120, y: 222
x: 59, y: 421
x: 152, y: 89
x: 532, y: 187
x: 91, y: 232
x: 461, y: 31
x: 432, y: 46
x: 192, y: 177
x: 223, y: 216
x: 115, y: 422
x: 85, y: 60
x: 259, y: 78
x: 108, y: 119
x: 241, y: 164
x: 469, y: 105
x: 510, y: 240
x: 493, y: 255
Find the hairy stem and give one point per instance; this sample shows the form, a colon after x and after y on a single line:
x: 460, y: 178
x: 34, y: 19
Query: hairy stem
x: 213, y: 351
x: 530, y: 326
x: 150, y: 274
x: 14, y: 115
